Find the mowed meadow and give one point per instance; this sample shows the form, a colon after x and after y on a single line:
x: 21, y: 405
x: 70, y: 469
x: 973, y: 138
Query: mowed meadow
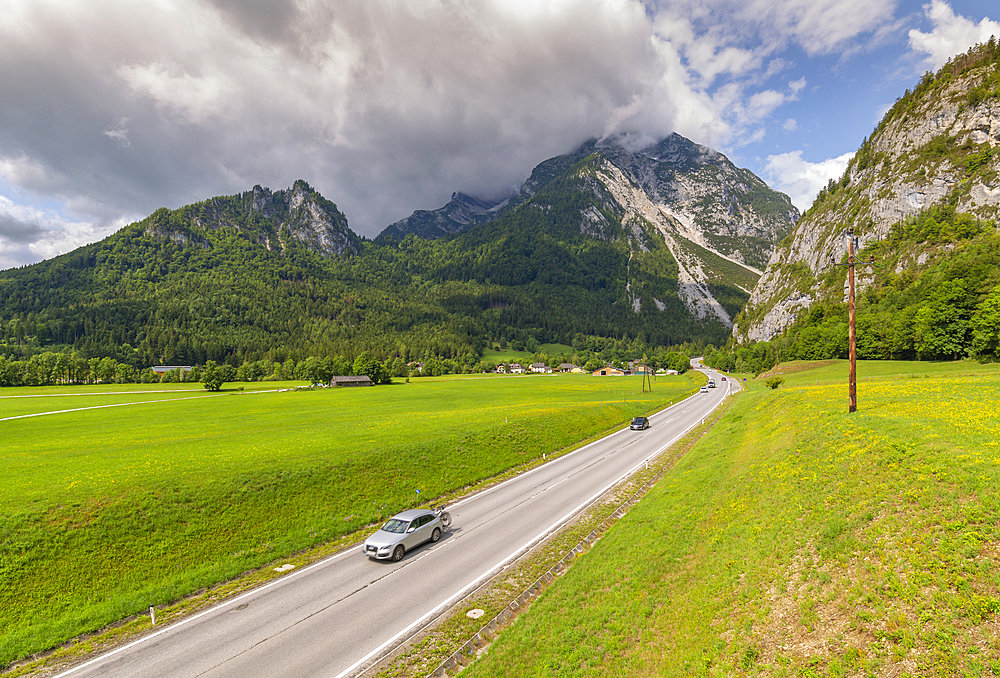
x: 122, y: 497
x: 796, y: 539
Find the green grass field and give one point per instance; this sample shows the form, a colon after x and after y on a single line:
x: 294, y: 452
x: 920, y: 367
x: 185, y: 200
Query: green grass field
x: 134, y: 496
x: 796, y: 539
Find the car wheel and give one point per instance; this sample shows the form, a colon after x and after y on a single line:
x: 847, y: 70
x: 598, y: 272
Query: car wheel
x: 436, y: 534
x: 397, y: 555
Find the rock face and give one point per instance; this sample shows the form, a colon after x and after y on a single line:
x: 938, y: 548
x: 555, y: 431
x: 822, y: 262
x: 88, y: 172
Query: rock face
x: 315, y: 222
x: 936, y: 144
x: 719, y: 222
x: 638, y: 209
x: 295, y: 216
x: 716, y: 204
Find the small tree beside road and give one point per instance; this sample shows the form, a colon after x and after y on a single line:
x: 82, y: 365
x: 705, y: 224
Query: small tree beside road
x: 211, y: 376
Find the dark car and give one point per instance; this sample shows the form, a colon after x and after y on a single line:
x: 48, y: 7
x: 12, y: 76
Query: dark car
x: 639, y: 423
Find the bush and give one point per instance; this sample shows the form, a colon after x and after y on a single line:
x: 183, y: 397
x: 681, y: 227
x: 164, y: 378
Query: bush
x: 774, y: 382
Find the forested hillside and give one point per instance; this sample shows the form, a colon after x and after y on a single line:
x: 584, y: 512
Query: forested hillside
x: 224, y: 281
x: 600, y: 245
x: 932, y: 293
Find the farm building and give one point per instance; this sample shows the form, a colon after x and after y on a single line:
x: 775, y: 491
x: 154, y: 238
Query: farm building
x: 350, y: 381
x: 608, y: 371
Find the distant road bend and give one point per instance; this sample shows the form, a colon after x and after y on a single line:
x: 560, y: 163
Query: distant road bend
x: 342, y: 615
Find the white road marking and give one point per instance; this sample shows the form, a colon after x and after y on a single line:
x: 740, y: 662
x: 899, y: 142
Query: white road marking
x: 141, y: 402
x: 511, y: 557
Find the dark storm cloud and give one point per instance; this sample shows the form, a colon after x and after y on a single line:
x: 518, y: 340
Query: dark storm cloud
x: 384, y: 107
x: 265, y: 18
x: 18, y: 232
x: 114, y: 108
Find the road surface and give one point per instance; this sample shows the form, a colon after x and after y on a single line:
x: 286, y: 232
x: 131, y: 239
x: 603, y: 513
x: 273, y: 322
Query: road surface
x: 337, y: 617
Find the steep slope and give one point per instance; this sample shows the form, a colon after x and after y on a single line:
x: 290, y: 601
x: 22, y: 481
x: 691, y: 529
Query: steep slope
x: 285, y: 219
x: 719, y: 222
x: 231, y: 278
x: 280, y: 274
x: 936, y: 147
x: 584, y: 250
x: 717, y: 205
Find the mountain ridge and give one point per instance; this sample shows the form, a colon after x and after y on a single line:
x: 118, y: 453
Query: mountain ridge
x: 678, y: 176
x: 581, y: 252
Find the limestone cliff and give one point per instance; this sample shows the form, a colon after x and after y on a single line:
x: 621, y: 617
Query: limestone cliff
x: 719, y: 222
x: 274, y: 220
x: 938, y: 143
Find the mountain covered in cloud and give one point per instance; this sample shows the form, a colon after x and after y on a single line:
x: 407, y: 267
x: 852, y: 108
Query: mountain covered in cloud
x: 461, y: 212
x: 715, y: 204
x: 720, y: 223
x: 920, y: 195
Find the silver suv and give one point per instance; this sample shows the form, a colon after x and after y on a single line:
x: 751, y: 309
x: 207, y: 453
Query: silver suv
x: 402, y: 532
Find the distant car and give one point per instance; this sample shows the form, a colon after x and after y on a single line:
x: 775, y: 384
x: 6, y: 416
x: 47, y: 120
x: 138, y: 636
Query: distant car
x: 723, y: 379
x: 704, y: 389
x: 639, y: 423
x: 403, y: 532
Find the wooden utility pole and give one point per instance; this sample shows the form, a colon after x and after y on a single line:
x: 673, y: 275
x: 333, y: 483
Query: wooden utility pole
x: 852, y: 344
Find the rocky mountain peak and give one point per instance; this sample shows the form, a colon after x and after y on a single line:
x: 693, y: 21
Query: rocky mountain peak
x: 719, y: 206
x: 270, y: 219
x: 315, y: 222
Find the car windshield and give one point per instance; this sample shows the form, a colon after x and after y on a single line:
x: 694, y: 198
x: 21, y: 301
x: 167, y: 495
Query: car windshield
x: 637, y: 420
x: 396, y: 526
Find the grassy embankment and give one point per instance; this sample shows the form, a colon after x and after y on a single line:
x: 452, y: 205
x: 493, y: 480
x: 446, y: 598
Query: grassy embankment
x: 107, y: 511
x: 798, y: 540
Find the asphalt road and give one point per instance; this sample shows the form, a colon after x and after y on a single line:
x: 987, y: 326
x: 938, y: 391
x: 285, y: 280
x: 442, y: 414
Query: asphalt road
x: 337, y: 617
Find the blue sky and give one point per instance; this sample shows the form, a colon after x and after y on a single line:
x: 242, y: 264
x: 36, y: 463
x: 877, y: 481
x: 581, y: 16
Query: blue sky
x: 111, y: 108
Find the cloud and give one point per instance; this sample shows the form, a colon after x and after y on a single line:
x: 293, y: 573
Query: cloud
x: 113, y: 109
x: 951, y: 34
x: 14, y: 231
x: 763, y: 27
x: 800, y: 179
x: 28, y: 234
x: 119, y: 132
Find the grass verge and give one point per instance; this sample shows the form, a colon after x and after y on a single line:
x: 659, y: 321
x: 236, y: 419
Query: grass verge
x: 798, y: 540
x: 500, y: 600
